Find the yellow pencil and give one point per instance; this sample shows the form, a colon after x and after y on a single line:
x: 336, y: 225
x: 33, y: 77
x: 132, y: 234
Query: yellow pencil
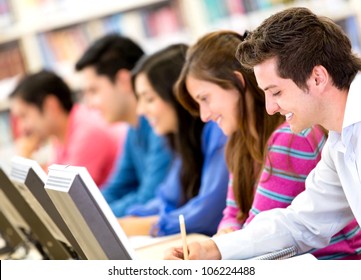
x: 184, y: 236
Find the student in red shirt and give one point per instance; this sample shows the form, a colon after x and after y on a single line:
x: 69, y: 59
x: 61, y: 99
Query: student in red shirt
x: 43, y: 106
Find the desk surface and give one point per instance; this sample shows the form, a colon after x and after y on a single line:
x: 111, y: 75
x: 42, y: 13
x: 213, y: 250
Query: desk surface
x: 156, y: 251
x: 147, y: 250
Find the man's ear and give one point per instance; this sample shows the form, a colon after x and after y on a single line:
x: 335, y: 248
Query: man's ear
x: 51, y: 104
x: 319, y: 77
x: 123, y: 79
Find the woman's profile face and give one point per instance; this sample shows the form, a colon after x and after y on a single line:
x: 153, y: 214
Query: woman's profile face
x: 215, y: 103
x: 160, y: 114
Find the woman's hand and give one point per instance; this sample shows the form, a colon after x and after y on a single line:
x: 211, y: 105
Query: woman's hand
x: 132, y: 225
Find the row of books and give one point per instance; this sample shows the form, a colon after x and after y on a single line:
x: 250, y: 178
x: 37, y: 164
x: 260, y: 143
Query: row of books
x: 59, y: 49
x: 67, y: 44
x: 11, y: 60
x: 216, y: 10
x: 219, y: 9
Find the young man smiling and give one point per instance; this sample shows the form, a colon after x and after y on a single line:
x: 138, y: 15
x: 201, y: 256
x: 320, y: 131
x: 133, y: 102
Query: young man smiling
x: 305, y: 66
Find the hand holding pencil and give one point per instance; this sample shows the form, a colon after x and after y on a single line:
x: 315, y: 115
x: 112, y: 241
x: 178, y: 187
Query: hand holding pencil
x: 205, y: 250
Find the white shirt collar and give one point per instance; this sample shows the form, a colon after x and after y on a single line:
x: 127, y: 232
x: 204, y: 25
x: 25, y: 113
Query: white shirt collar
x: 353, y: 110
x: 352, y: 116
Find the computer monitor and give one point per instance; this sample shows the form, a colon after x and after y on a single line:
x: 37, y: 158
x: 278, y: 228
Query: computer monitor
x: 30, y: 223
x: 30, y: 177
x: 87, y: 214
x: 9, y: 210
x: 10, y: 234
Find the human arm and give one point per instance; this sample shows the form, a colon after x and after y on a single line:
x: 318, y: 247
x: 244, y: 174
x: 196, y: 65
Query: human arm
x: 229, y: 220
x: 133, y: 225
x: 123, y: 178
x: 203, y: 212
x: 309, y: 222
x: 139, y: 175
x: 312, y: 218
x: 290, y: 158
x: 26, y: 145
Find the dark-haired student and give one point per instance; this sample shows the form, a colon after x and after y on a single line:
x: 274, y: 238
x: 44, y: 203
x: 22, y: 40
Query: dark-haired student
x: 307, y: 87
x: 196, y: 185
x: 43, y: 105
x: 145, y: 160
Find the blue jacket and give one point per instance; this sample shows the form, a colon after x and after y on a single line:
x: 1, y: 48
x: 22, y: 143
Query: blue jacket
x: 138, y: 173
x: 203, y: 212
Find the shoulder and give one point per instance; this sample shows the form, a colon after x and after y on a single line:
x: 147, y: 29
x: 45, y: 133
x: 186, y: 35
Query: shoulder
x: 142, y: 137
x: 212, y: 137
x: 142, y: 131
x: 311, y: 139
x: 86, y: 123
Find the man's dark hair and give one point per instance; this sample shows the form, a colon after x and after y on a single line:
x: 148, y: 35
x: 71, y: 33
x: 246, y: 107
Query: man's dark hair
x: 34, y: 88
x: 301, y: 40
x: 109, y: 54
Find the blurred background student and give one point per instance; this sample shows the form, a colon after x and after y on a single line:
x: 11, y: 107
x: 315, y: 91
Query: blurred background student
x: 105, y: 67
x: 43, y: 105
x: 269, y: 163
x: 196, y: 185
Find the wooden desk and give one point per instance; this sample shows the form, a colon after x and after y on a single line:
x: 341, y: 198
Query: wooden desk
x: 156, y: 251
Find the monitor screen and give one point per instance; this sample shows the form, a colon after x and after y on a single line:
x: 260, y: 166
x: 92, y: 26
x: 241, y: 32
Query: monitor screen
x: 9, y: 210
x: 10, y: 234
x: 87, y: 214
x: 30, y: 178
x: 27, y: 219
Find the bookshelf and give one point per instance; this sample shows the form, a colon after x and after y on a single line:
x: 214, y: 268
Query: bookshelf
x: 240, y: 15
x: 54, y: 33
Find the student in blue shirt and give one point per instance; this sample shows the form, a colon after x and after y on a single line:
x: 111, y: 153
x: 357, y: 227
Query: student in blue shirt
x: 196, y: 185
x: 145, y: 159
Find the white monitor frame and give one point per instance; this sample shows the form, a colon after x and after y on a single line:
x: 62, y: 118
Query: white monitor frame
x: 27, y: 219
x: 30, y: 178
x: 87, y: 214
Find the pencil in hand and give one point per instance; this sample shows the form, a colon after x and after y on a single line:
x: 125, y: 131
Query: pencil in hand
x: 184, y: 236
